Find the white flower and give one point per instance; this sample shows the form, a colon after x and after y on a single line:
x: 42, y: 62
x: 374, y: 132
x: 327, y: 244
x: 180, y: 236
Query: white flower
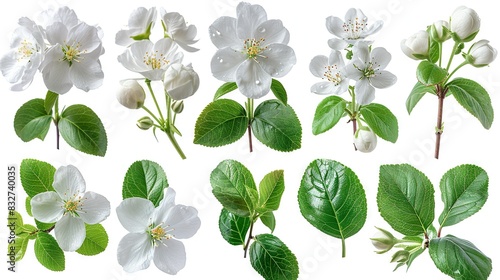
x: 153, y: 233
x: 63, y: 15
x: 175, y: 28
x: 140, y: 23
x: 481, y: 53
x: 440, y: 31
x: 330, y: 69
x: 365, y: 140
x: 367, y: 69
x: 416, y: 46
x: 131, y: 94
x: 181, y: 81
x: 151, y: 60
x: 252, y: 50
x: 465, y: 23
x: 354, y: 28
x: 70, y: 207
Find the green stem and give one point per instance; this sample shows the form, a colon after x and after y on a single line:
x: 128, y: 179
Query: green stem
x: 343, y: 248
x: 353, y: 114
x: 454, y: 71
x: 250, y: 116
x: 172, y: 139
x: 451, y: 56
x: 440, y: 44
x: 56, y: 121
x: 148, y: 83
x: 168, y: 128
x: 151, y: 114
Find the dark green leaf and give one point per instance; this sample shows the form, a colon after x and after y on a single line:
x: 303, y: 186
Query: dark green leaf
x: 233, y: 228
x: 418, y: 91
x: 269, y: 220
x: 18, y: 247
x: 277, y: 126
x: 222, y: 122
x: 50, y: 100
x: 279, y: 91
x: 270, y: 190
x: 44, y: 226
x: 328, y: 114
x: 31, y: 120
x: 145, y: 179
x: 96, y: 240
x: 83, y: 130
x: 36, y: 176
x: 430, y: 74
x: 225, y: 89
x: 405, y: 199
x: 413, y: 257
x: 272, y: 259
x: 48, y: 253
x: 381, y: 120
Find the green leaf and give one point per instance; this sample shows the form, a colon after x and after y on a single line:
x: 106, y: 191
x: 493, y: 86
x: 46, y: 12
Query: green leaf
x: 225, y: 89
x: 44, y: 226
x: 277, y: 126
x: 272, y: 259
x: 268, y: 220
x: 418, y: 91
x: 405, y: 199
x: 36, y: 176
x: 332, y: 199
x: 233, y: 228
x: 31, y: 120
x: 430, y: 74
x: 48, y: 253
x: 96, y: 240
x: 474, y: 98
x: 381, y: 120
x: 433, y: 51
x: 18, y: 247
x: 328, y: 114
x: 234, y: 187
x: 279, y: 91
x: 17, y: 219
x: 28, y: 206
x: 83, y: 130
x: 459, y: 258
x: 145, y: 179
x: 50, y: 100
x: 271, y: 189
x: 413, y: 257
x: 222, y: 122
x: 464, y: 190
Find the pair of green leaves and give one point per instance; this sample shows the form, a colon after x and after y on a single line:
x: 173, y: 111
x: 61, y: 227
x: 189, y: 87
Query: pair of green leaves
x: 405, y: 200
x: 234, y: 187
x: 78, y: 125
x: 274, y: 123
x: 145, y: 179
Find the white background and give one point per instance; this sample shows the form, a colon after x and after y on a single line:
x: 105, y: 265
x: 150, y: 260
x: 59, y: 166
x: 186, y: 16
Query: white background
x: 208, y: 255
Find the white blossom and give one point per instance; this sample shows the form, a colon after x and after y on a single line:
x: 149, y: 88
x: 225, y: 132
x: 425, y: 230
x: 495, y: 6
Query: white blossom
x: 140, y: 23
x: 176, y: 28
x: 331, y: 71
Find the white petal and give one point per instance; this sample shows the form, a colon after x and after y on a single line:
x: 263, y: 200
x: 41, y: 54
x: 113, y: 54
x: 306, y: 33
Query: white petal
x: 225, y: 62
x: 373, y: 28
x: 135, y: 214
x: 223, y: 33
x: 361, y: 51
x: 122, y: 37
x: 272, y: 31
x: 57, y: 33
x: 170, y: 257
x: 323, y: 88
x: 70, y: 233
x: 351, y: 70
x: 336, y: 58
x: 95, y: 208
x: 86, y: 75
x: 182, y: 91
x: 12, y: 69
x: 84, y: 35
x: 337, y: 44
x: 141, y: 17
x: 183, y: 220
x: 277, y: 60
x: 166, y: 204
x: 133, y: 57
x: 135, y: 251
x: 318, y: 66
x: 47, y: 207
x: 365, y: 93
x: 383, y: 79
x: 55, y: 71
x: 68, y: 182
x: 381, y: 58
x: 252, y: 80
x: 248, y: 18
x: 334, y: 26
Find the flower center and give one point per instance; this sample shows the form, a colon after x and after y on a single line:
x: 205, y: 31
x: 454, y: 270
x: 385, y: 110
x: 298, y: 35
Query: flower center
x: 155, y: 60
x: 253, y: 48
x: 73, y: 204
x: 25, y: 50
x: 72, y: 53
x: 371, y: 69
x: 332, y: 74
x: 158, y: 234
x: 354, y: 28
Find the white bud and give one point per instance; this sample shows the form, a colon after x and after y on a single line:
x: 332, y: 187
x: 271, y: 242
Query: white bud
x: 131, y: 94
x: 440, y: 31
x: 365, y: 140
x: 416, y: 46
x: 465, y: 23
x: 481, y: 54
x: 383, y: 240
x: 181, y: 81
x: 145, y: 123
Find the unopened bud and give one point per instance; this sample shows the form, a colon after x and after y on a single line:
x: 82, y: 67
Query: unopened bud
x: 178, y: 106
x: 383, y: 240
x: 145, y: 123
x: 401, y: 256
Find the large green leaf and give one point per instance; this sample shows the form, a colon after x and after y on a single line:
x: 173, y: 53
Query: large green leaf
x: 474, y: 98
x: 381, y: 120
x: 405, y: 198
x: 328, y: 114
x: 279, y: 91
x: 32, y: 121
x: 233, y: 228
x: 459, y: 258
x: 96, y: 240
x: 48, y: 253
x: 272, y: 259
x: 270, y: 190
x: 332, y: 199
x: 234, y: 187
x: 82, y: 129
x: 36, y: 176
x: 277, y: 126
x: 222, y: 122
x: 145, y: 179
x: 418, y: 91
x: 464, y: 190
x: 225, y: 89
x: 430, y: 74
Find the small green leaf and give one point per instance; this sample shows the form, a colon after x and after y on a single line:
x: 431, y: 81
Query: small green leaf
x: 272, y: 259
x: 270, y: 190
x: 328, y: 114
x: 48, y: 253
x: 50, y: 100
x: 413, y: 257
x: 96, y: 240
x: 474, y: 98
x: 44, y: 226
x: 28, y: 206
x: 234, y: 187
x: 145, y: 179
x: 269, y: 220
x: 418, y: 91
x: 464, y: 190
x: 459, y: 258
x: 430, y: 74
x: 32, y: 121
x: 381, y: 120
x: 36, y: 176
x: 277, y: 126
x: 18, y: 247
x: 222, y: 122
x: 405, y: 198
x: 233, y: 228
x: 82, y: 129
x: 225, y: 89
x: 433, y: 51
x: 279, y: 91
x: 17, y: 219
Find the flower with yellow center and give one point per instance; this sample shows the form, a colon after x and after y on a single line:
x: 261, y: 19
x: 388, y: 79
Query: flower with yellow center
x: 175, y: 28
x: 331, y: 71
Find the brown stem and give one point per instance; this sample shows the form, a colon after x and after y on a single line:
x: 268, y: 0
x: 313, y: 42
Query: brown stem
x: 57, y: 136
x: 250, y: 237
x: 250, y: 137
x: 439, y: 126
x: 439, y: 231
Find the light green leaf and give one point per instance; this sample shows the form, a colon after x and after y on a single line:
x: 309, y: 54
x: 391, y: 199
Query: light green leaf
x: 277, y: 126
x: 18, y: 247
x: 459, y: 258
x: 405, y: 198
x: 36, y: 176
x: 44, y: 226
x: 96, y: 240
x: 145, y: 179
x: 17, y: 219
x: 225, y: 89
x: 32, y: 121
x: 268, y: 220
x: 270, y: 190
x: 82, y: 129
x: 50, y: 100
x: 433, y: 51
x: 279, y: 91
x: 381, y: 120
x: 430, y: 74
x: 233, y: 228
x: 28, y: 206
x: 418, y: 91
x: 48, y: 253
x: 272, y: 259
x: 328, y: 114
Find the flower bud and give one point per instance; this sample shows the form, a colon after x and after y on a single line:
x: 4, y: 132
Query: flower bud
x: 401, y: 256
x: 145, y: 123
x: 440, y: 31
x: 365, y: 140
x: 465, y: 23
x: 131, y: 94
x: 481, y: 54
x: 383, y: 241
x: 416, y: 46
x: 178, y: 106
x: 181, y: 81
